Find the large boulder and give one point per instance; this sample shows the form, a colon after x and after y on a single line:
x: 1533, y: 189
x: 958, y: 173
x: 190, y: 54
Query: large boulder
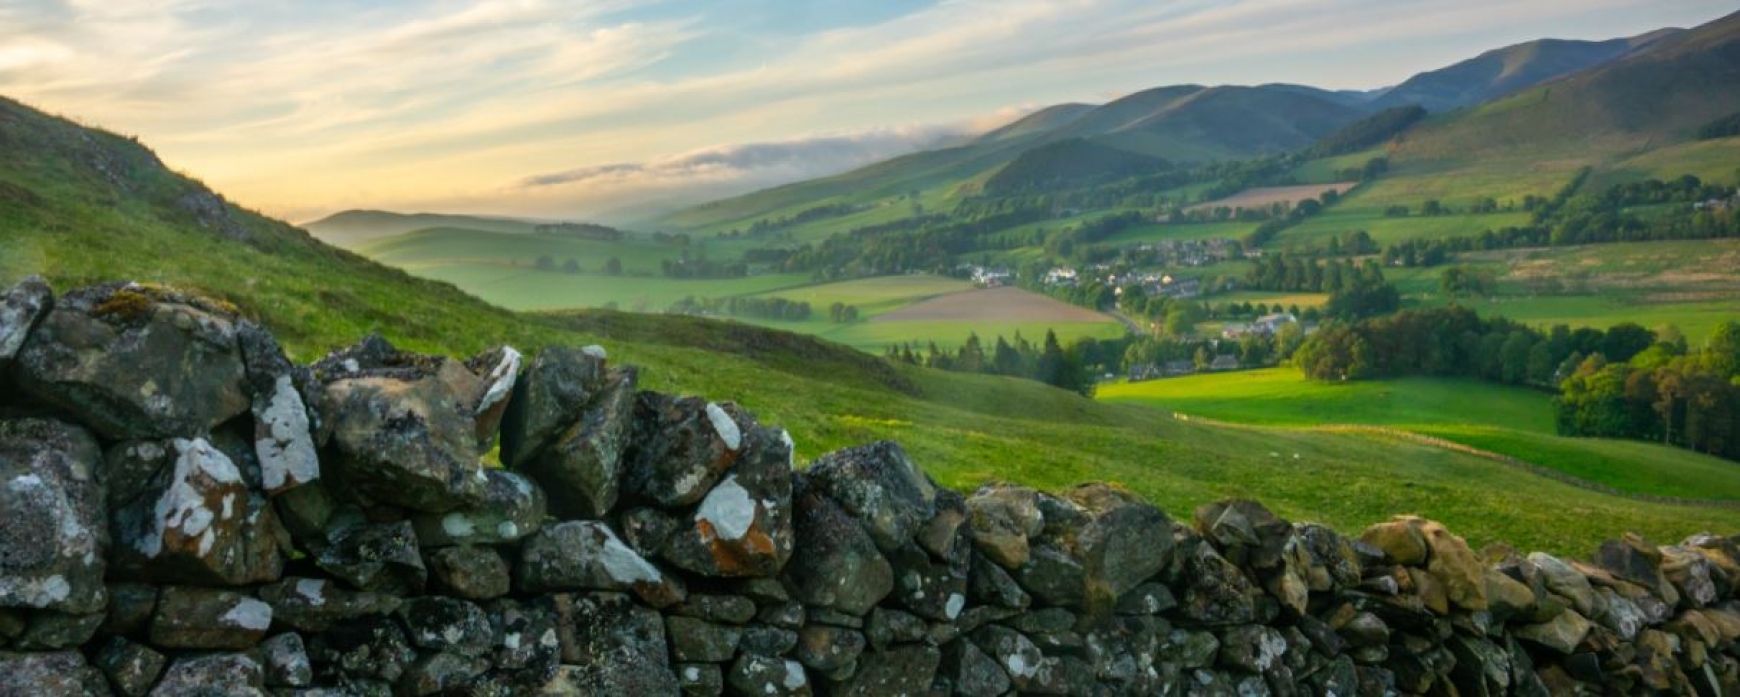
x: 404, y: 426
x: 512, y: 507
x: 880, y: 486
x: 54, y: 541
x: 683, y: 446
x: 743, y: 526
x: 549, y: 396
x: 587, y: 555
x: 136, y: 361
x: 192, y: 518
x: 835, y: 563
x: 20, y: 307
x: 580, y: 464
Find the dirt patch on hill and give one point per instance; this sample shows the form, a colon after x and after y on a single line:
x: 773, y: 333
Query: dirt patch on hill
x: 992, y: 305
x: 1264, y: 196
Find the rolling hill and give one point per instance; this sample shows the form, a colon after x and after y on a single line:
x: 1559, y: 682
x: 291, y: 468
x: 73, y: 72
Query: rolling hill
x: 1505, y: 70
x: 83, y: 206
x: 352, y: 228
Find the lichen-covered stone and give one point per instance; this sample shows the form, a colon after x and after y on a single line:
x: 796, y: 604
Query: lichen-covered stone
x: 50, y: 630
x: 285, y: 660
x: 512, y: 507
x: 1026, y: 667
x: 1216, y: 592
x: 136, y: 362
x: 528, y: 644
x: 229, y: 674
x: 700, y: 641
x: 933, y: 588
x: 447, y: 625
x: 381, y: 558
x: 370, y: 648
x: 700, y: 679
x: 317, y: 605
x: 902, y: 670
x: 283, y: 438
x: 548, y: 397
x: 835, y: 563
x: 57, y: 673
x: 581, y: 466
x: 20, y: 307
x: 766, y: 675
x: 880, y: 486
x: 1399, y: 539
x: 130, y: 608
x: 684, y: 445
x: 1252, y: 649
x: 1124, y: 542
x: 612, y: 645
x: 131, y: 668
x: 729, y: 609
x: 403, y: 427
x: 192, y: 518
x: 474, y: 573
x: 499, y: 370
x: 827, y: 648
x: 970, y: 671
x: 587, y: 555
x: 1001, y: 518
x: 54, y: 540
x: 1562, y: 634
x: 743, y: 526
x: 208, y: 618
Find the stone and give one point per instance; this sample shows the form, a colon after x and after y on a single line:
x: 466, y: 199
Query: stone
x: 699, y: 641
x: 380, y: 558
x: 370, y: 648
x: 285, y: 659
x: 230, y: 674
x: 20, y: 307
x: 941, y: 534
x: 835, y: 563
x: 49, y: 630
x: 684, y: 446
x: 528, y: 643
x: 1481, y: 667
x: 932, y: 588
x: 1694, y: 575
x: 131, y: 668
x: 903, y: 670
x: 1251, y: 649
x: 58, y: 673
x: 581, y: 466
x: 403, y: 427
x: 700, y: 679
x: 1507, y: 598
x: 447, y: 625
x: 207, y: 618
x: 1001, y: 518
x: 1053, y: 575
x: 765, y: 675
x: 613, y: 637
x: 1216, y: 593
x: 283, y: 437
x: 1126, y: 541
x: 827, y: 648
x: 988, y: 583
x: 438, y: 673
x: 1566, y: 582
x: 1453, y: 564
x: 887, y: 626
x: 1146, y: 599
x: 130, y: 608
x: 1399, y: 539
x: 1333, y: 562
x: 1364, y: 629
x: 512, y: 507
x: 767, y: 641
x: 193, y: 518
x: 1622, y: 615
x: 499, y: 369
x: 743, y: 526
x: 1026, y: 667
x: 1562, y: 634
x: 318, y: 605
x: 557, y: 384
x: 473, y: 573
x: 587, y: 555
x: 55, y: 540
x: 880, y: 486
x: 729, y: 609
x: 1631, y: 558
x: 136, y: 362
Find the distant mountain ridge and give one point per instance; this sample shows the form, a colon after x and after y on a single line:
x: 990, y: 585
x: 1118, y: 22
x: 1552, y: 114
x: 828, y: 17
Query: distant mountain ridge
x: 1503, y: 71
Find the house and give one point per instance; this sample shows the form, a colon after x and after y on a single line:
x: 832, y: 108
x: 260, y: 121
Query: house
x: 1060, y: 276
x: 1144, y: 371
x: 1234, y: 330
x: 1224, y: 362
x: 1176, y: 368
x: 1267, y: 325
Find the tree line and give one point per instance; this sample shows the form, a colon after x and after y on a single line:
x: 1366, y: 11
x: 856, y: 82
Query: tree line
x: 1048, y: 362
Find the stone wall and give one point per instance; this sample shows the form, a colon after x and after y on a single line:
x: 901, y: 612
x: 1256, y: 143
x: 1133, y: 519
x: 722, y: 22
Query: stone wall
x: 184, y: 511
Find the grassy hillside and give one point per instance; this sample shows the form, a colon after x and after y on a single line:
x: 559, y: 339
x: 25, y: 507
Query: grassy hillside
x: 1505, y: 70
x: 1505, y: 420
x: 84, y: 207
x: 352, y: 228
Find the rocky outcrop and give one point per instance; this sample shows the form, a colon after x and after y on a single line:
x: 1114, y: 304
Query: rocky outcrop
x: 188, y: 512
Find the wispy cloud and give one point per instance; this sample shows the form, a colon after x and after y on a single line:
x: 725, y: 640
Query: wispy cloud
x: 538, y: 106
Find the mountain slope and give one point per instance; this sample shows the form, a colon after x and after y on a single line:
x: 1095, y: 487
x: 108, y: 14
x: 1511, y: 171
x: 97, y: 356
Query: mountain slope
x: 1505, y: 70
x: 354, y: 227
x: 1649, y: 98
x: 80, y: 206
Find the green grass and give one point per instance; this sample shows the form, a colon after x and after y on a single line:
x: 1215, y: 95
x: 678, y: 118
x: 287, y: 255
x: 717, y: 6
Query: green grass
x: 1318, y: 229
x: 457, y: 245
x: 873, y: 337
x: 1509, y: 421
x: 75, y: 225
x: 873, y: 296
x: 1185, y: 231
x: 527, y: 289
x: 1303, y: 300
x: 1323, y: 171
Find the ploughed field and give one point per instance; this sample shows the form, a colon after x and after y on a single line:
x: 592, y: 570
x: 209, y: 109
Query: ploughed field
x: 1265, y: 196
x: 992, y: 305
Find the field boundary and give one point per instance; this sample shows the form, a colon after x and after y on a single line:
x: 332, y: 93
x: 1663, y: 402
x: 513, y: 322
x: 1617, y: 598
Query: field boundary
x: 1507, y: 460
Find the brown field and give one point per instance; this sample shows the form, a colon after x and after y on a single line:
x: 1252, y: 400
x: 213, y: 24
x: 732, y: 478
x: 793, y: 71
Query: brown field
x: 991, y: 305
x: 1263, y: 196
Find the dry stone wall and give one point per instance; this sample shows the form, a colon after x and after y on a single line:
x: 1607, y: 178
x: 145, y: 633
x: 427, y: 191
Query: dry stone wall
x: 183, y: 511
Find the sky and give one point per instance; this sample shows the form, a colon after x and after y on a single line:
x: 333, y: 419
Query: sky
x: 606, y: 109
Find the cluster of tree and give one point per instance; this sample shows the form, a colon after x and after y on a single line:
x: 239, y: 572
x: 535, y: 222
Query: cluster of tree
x: 1372, y: 169
x: 1460, y: 282
x: 1433, y: 207
x: 808, y: 215
x: 1063, y: 243
x: 583, y: 231
x: 841, y: 313
x: 680, y: 239
x: 1665, y: 393
x: 759, y: 308
x: 1297, y: 273
x: 1247, y: 310
x: 1071, y: 369
x: 1069, y: 164
x: 1725, y: 127
x: 1298, y: 212
x: 927, y: 242
x: 1366, y: 132
x: 700, y: 267
x: 774, y: 256
x: 548, y: 263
